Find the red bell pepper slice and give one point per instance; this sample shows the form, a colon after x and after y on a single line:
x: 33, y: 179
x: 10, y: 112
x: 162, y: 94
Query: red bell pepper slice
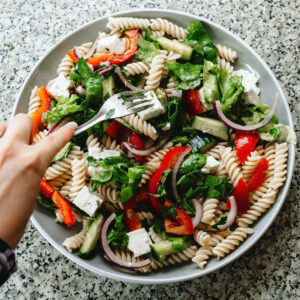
x: 72, y: 56
x: 115, y: 130
x: 180, y: 224
x: 192, y: 102
x: 63, y: 205
x: 241, y: 195
x: 167, y: 162
x: 245, y: 143
x: 118, y: 59
x: 130, y: 218
x: 259, y: 175
x: 36, y: 116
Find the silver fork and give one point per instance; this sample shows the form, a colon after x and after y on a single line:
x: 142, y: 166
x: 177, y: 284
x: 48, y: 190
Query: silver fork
x: 117, y: 106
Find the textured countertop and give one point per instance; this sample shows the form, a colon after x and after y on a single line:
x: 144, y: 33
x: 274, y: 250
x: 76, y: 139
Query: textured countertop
x: 271, y: 269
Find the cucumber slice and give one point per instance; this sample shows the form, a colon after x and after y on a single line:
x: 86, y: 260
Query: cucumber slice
x: 177, y: 47
x: 109, y: 86
x: 211, y: 126
x: 63, y: 152
x: 201, y: 143
x: 161, y: 249
x: 91, y: 238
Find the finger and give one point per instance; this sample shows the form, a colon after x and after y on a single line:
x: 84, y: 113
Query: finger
x: 52, y: 144
x: 20, y: 128
x: 2, y: 129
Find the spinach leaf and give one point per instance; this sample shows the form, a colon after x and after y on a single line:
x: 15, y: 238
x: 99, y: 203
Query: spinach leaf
x: 173, y: 110
x: 199, y: 40
x: 190, y: 179
x: 81, y: 72
x: 180, y: 139
x: 202, y: 143
x: 219, y: 188
x: 165, y: 189
x: 64, y: 107
x: 222, y: 221
x: 118, y: 235
x: 231, y: 88
x: 147, y: 50
x: 194, y: 162
x: 42, y: 200
x: 196, y: 192
x: 134, y: 178
x: 186, y: 76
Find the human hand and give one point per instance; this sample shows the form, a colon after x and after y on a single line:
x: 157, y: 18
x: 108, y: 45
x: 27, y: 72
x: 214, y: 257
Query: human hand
x: 22, y: 167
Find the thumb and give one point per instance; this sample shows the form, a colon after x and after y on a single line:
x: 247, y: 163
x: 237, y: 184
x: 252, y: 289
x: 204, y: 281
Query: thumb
x: 52, y: 144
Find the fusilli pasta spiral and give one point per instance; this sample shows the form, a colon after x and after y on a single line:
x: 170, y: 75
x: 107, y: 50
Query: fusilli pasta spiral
x: 250, y: 165
x: 209, y: 209
x: 141, y: 125
x: 224, y: 64
x: 202, y: 255
x: 232, y: 166
x: 127, y: 22
x: 109, y: 143
x: 78, y: 177
x: 40, y: 135
x: 147, y: 215
x: 169, y: 28
x: 35, y: 101
x: 74, y: 242
x: 226, y: 53
x: 233, y: 240
x: 137, y: 68
x: 156, y: 71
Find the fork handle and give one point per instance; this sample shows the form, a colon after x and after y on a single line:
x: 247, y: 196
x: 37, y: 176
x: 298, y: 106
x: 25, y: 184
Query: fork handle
x: 97, y: 119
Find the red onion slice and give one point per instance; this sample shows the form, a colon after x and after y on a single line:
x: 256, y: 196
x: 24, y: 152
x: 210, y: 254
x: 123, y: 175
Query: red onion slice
x: 198, y: 215
x: 231, y: 216
x: 105, y: 69
x: 58, y: 125
x: 175, y: 171
x: 235, y: 126
x: 127, y: 85
x: 109, y: 253
x: 147, y: 151
x: 75, y: 52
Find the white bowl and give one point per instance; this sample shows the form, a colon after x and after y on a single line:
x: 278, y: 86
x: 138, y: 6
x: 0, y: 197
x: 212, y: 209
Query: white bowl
x: 45, y: 70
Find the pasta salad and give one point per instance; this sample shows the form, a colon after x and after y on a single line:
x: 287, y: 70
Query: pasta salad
x: 183, y: 180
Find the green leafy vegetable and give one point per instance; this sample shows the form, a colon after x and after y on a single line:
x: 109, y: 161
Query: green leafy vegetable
x: 196, y: 192
x: 202, y: 143
x: 193, y: 162
x: 64, y: 107
x: 265, y: 132
x: 190, y: 179
x: 169, y: 210
x: 118, y: 235
x: 42, y: 200
x: 222, y: 221
x: 147, y: 50
x: 219, y: 188
x: 231, y: 88
x: 158, y: 227
x: 180, y: 139
x: 109, y: 114
x: 199, y: 40
x: 186, y: 76
x: 150, y: 37
x: 210, y: 82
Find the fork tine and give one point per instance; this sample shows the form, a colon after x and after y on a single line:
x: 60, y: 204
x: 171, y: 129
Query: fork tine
x: 133, y: 104
x: 140, y: 108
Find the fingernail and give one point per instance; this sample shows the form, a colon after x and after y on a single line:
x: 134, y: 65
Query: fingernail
x: 72, y: 125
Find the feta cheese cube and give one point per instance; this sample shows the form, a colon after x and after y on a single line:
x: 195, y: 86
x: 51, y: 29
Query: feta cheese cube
x: 249, y: 81
x: 154, y: 236
x: 95, y: 152
x: 87, y: 201
x: 153, y: 111
x: 139, y: 242
x: 60, y: 86
x: 111, y: 44
x: 211, y: 165
x: 109, y: 153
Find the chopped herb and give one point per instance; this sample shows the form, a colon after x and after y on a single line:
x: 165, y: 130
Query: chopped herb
x: 275, y: 132
x: 118, y: 235
x: 109, y: 114
x: 251, y: 194
x: 222, y: 221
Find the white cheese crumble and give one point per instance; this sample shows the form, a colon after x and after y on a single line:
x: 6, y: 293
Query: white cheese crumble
x: 139, y: 242
x: 155, y: 110
x: 154, y: 236
x: 60, y: 86
x: 109, y: 153
x: 95, y: 152
x: 87, y: 201
x: 111, y: 44
x: 211, y: 165
x: 249, y: 81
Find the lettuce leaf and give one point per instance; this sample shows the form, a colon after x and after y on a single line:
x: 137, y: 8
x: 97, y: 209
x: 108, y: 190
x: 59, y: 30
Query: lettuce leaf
x: 210, y: 82
x: 147, y: 50
x: 186, y: 76
x: 64, y: 107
